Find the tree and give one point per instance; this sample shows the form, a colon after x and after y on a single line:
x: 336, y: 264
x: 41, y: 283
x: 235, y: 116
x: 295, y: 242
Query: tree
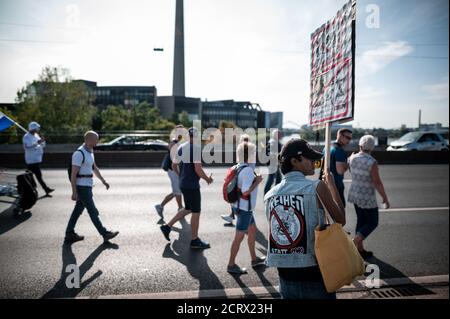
x: 116, y: 118
x: 61, y: 105
x: 183, y: 119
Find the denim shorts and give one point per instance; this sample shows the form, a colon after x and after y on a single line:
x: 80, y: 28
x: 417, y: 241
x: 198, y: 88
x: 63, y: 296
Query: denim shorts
x: 244, y: 219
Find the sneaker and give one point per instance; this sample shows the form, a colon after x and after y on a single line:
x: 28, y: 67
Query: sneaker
x: 73, y: 238
x: 228, y: 218
x: 166, y: 231
x: 236, y: 270
x: 199, y: 244
x: 260, y: 261
x: 110, y: 235
x: 159, y: 210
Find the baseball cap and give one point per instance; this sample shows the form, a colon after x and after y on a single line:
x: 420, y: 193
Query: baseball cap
x: 297, y: 147
x: 33, y: 126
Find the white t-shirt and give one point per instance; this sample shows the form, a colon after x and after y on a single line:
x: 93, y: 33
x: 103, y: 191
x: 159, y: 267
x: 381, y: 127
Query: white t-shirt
x: 86, y: 167
x: 245, y: 181
x: 33, y: 150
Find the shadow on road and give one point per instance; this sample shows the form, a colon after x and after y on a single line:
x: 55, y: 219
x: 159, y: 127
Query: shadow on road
x: 60, y: 289
x: 388, y: 271
x: 194, y: 260
x: 8, y: 220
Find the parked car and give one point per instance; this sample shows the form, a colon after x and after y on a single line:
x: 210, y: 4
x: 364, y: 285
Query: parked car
x: 419, y: 141
x: 133, y: 143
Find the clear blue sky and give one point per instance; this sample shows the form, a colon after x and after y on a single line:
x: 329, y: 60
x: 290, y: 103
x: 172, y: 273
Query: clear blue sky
x: 256, y: 50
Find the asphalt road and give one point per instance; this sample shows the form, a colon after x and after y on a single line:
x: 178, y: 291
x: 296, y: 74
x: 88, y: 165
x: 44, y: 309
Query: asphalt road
x: 34, y: 259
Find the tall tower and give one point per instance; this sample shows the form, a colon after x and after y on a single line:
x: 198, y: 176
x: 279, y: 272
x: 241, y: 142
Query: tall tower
x: 178, y: 63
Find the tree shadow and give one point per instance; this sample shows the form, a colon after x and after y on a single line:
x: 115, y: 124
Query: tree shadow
x: 9, y: 220
x: 60, y: 289
x: 194, y: 261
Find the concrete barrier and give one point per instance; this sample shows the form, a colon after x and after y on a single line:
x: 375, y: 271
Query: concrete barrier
x: 154, y: 159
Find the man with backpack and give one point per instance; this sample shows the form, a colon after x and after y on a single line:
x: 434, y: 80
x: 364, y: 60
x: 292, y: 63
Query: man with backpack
x: 188, y: 165
x: 81, y: 174
x: 174, y: 179
x: 241, y: 188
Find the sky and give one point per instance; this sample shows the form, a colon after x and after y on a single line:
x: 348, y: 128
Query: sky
x: 248, y: 50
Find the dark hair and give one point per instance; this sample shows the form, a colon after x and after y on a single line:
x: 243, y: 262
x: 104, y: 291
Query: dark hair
x: 286, y: 165
x: 344, y: 130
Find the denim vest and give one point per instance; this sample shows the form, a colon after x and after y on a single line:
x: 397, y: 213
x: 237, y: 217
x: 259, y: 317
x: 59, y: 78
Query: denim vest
x: 293, y: 215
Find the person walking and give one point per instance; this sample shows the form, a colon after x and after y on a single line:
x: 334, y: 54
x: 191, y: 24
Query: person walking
x: 365, y: 181
x: 34, y: 145
x: 188, y: 165
x: 248, y: 183
x: 173, y: 177
x: 272, y: 149
x: 81, y: 178
x: 229, y: 218
x: 294, y: 210
x: 338, y: 160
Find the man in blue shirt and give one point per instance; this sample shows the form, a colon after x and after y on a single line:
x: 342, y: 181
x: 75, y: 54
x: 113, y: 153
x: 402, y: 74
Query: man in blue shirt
x: 188, y: 166
x: 338, y: 159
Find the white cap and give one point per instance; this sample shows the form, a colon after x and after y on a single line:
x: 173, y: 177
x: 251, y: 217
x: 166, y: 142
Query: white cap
x: 33, y: 126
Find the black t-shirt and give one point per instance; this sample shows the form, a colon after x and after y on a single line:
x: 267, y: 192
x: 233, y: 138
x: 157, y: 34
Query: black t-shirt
x: 310, y: 274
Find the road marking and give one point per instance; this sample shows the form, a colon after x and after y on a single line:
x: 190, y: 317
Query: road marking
x: 273, y: 291
x: 416, y: 209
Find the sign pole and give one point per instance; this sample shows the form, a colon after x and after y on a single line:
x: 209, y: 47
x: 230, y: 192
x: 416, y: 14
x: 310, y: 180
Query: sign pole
x: 327, y: 145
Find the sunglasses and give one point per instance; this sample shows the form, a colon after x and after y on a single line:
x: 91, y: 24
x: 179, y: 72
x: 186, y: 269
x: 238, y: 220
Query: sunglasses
x: 347, y: 137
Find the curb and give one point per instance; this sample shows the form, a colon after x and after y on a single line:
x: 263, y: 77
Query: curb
x: 358, y: 289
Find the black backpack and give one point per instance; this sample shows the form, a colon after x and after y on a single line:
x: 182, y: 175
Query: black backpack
x: 69, y: 167
x: 26, y: 187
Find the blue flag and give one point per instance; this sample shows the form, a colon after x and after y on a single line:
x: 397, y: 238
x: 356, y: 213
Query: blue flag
x: 5, y: 122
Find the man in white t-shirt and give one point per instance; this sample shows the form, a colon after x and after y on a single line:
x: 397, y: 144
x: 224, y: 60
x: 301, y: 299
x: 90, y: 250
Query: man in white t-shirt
x: 81, y: 179
x: 33, y: 144
x: 248, y: 183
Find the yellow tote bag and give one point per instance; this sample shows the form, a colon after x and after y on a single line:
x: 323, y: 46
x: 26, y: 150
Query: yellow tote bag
x: 338, y: 258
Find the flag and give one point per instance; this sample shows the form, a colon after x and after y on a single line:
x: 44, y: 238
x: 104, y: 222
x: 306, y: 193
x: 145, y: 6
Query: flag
x: 5, y: 122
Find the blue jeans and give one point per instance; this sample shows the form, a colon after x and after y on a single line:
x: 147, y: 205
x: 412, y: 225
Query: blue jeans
x: 85, y: 200
x: 271, y: 178
x: 367, y: 221
x: 304, y: 290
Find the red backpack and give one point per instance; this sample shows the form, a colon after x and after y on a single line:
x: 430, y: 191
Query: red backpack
x: 231, y: 192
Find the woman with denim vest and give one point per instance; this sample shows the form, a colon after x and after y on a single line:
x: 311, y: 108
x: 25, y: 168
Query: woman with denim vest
x: 293, y: 210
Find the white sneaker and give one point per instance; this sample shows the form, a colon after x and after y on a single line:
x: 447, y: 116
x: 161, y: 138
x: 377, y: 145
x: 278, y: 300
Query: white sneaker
x: 227, y: 218
x: 159, y: 210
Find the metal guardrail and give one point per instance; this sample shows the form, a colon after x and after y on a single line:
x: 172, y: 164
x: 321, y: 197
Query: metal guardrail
x: 154, y: 158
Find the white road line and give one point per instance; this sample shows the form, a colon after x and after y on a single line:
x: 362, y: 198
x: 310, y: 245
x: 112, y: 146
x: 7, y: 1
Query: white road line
x: 415, y: 209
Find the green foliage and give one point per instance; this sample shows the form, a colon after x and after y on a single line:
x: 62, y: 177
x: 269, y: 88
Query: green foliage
x: 183, y: 119
x: 56, y: 102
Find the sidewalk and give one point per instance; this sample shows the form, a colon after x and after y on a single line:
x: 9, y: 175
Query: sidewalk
x: 430, y: 287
